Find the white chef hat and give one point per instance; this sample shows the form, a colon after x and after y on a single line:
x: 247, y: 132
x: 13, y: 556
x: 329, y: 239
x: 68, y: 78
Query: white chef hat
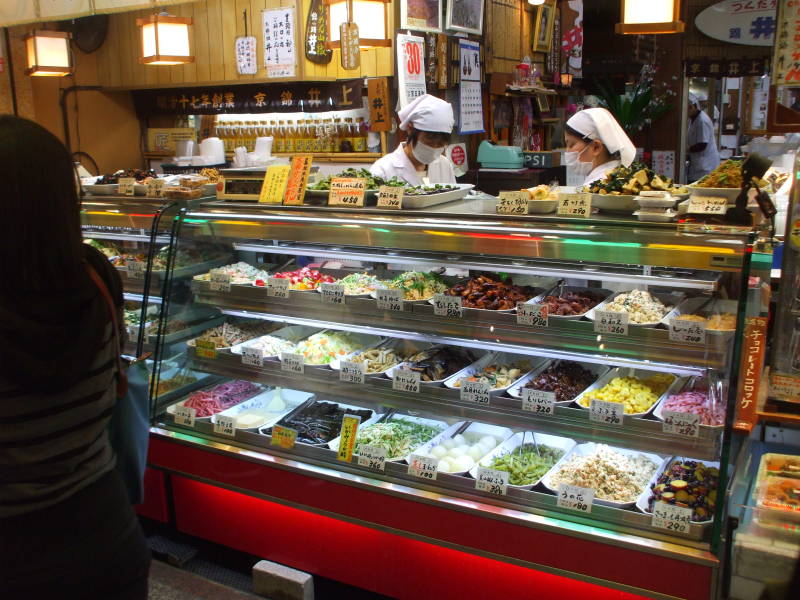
x: 599, y: 124
x: 693, y: 99
x: 428, y: 113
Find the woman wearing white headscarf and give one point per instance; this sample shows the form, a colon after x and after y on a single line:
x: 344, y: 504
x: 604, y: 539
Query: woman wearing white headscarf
x: 596, y: 144
x: 429, y: 122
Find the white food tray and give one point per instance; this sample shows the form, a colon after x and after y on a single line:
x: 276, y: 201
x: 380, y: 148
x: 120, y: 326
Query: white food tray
x: 363, y: 339
x: 171, y: 408
x: 556, y: 291
x: 334, y: 443
x: 729, y: 193
x: 440, y: 198
x: 476, y: 353
x: 686, y: 386
x: 655, y: 217
x: 291, y: 398
x: 622, y: 203
x: 589, y: 448
x: 667, y: 299
x: 706, y: 307
x: 641, y: 501
x: 494, y: 358
x: 292, y: 333
x: 515, y: 391
x: 376, y: 416
x: 517, y: 440
x: 538, y: 291
x: 474, y: 430
x: 395, y: 344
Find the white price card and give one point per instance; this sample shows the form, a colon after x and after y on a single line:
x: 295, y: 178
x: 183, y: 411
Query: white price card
x: 252, y: 356
x: 424, y: 467
x: 126, y: 186
x: 405, y: 381
x: 492, y: 481
x: 135, y: 268
x: 185, y: 415
x: 220, y: 281
x: 708, y: 205
x: 679, y: 423
x: 539, y: 401
x: 687, y: 332
x: 389, y: 299
x: 447, y: 306
x: 352, y: 372
x: 608, y: 413
x: 512, y: 203
x: 372, y: 457
x: 575, y: 498
x: 390, y: 196
x: 332, y: 293
x: 225, y: 425
x: 155, y: 187
x: 534, y: 315
x: 475, y: 391
x: 293, y: 363
x: 278, y: 287
x: 677, y: 519
x: 574, y: 205
x: 606, y: 321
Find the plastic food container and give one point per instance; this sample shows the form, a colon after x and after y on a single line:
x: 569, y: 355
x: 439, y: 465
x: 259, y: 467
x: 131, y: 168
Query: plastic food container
x: 655, y: 217
x: 476, y: 354
x: 628, y: 372
x: 515, y: 391
x: 667, y: 299
x: 172, y: 408
x: 293, y: 333
x: 603, y: 294
x: 266, y: 430
x: 781, y: 465
x: 334, y: 444
x: 291, y: 398
x: 779, y: 500
x: 403, y: 347
x: 497, y: 359
x: 473, y: 433
x: 644, y: 498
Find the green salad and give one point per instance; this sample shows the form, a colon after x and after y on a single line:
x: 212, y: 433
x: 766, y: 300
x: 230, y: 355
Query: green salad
x: 525, y: 465
x: 398, y: 436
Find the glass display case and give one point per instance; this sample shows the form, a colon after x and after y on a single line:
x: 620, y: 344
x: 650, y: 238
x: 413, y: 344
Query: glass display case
x: 567, y: 375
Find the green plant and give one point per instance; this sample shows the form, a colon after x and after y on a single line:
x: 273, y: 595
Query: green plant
x: 640, y: 105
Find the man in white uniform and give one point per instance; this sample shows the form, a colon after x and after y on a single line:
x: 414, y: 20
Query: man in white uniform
x: 429, y: 122
x: 703, y: 154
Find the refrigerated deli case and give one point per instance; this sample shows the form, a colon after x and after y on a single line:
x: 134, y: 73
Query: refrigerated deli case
x: 426, y: 428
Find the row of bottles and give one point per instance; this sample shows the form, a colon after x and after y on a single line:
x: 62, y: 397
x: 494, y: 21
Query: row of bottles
x: 301, y: 136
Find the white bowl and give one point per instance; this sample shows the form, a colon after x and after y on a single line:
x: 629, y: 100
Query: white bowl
x: 542, y: 207
x: 656, y: 217
x: 653, y: 202
x: 611, y: 203
x: 730, y: 193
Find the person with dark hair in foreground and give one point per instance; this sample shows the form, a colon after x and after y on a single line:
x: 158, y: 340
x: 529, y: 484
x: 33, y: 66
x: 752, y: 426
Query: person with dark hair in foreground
x: 67, y: 529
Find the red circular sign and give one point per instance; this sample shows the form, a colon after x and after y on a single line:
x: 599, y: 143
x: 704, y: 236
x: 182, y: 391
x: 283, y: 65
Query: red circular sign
x: 458, y: 156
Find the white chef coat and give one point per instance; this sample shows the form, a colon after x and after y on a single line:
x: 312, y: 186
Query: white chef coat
x: 601, y: 171
x: 701, y: 130
x: 397, y: 164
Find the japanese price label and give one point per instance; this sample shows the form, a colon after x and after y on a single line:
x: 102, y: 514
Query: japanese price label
x: 606, y: 321
x: 252, y: 357
x: 390, y: 196
x: 534, y: 315
x: 424, y: 467
x: 293, y: 363
x: 220, y: 281
x: 447, y: 306
x: 512, y: 203
x: 126, y: 186
x: 347, y: 191
x: 680, y: 423
x: 574, y: 205
x: 352, y: 372
x: 539, y: 401
x: 332, y: 293
x: 155, y: 187
x: 298, y: 180
x: 475, y: 391
x: 687, y: 332
x: 784, y: 387
x: 274, y: 185
x: 389, y: 299
x: 372, y: 457
x: 708, y: 205
x: 224, y: 425
x: 185, y: 415
x: 284, y: 437
x: 492, y: 481
x: 135, y: 268
x: 278, y: 287
x: 609, y: 413
x: 671, y: 517
x: 575, y: 498
x: 205, y: 349
x: 347, y: 437
x: 405, y: 381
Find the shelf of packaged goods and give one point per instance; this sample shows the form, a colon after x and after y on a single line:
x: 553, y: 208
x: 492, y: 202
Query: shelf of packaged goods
x: 126, y: 235
x: 635, y: 433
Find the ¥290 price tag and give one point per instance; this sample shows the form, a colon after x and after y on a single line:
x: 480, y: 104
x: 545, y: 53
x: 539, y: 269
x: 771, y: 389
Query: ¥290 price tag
x: 185, y: 415
x: 283, y: 437
x: 679, y: 423
x: 606, y: 321
x: 424, y: 467
x: 390, y: 196
x: 135, y: 268
x: 512, y: 203
x: 687, y: 332
x: 405, y: 381
x: 352, y: 372
x: 534, y: 315
x: 708, y: 205
x: 447, y: 306
x: 224, y: 425
x: 293, y: 363
x: 539, y: 401
x: 278, y: 287
x: 475, y: 391
x: 252, y: 356
x: 205, y: 349
x: 389, y: 299
x: 492, y: 481
x: 608, y: 413
x: 574, y: 205
x: 575, y: 498
x: 372, y: 457
x: 677, y: 519
x: 220, y: 281
x: 332, y: 293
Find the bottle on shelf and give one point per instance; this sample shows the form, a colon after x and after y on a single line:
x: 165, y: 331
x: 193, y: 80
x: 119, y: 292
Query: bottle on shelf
x: 360, y: 140
x: 337, y: 135
x: 327, y: 135
x: 291, y: 137
x: 301, y: 141
x: 280, y: 137
x: 250, y: 136
x: 346, y: 144
x: 317, y: 143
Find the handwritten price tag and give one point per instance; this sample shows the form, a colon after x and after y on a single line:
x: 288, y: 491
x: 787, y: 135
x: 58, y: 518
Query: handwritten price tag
x: 606, y: 321
x: 205, y: 349
x: 533, y: 315
x: 185, y: 415
x: 405, y: 381
x: 574, y: 205
x: 390, y: 196
x: 672, y: 518
x: 512, y: 203
x: 447, y: 306
x: 155, y: 187
x: 220, y: 281
x: 685, y: 424
x: 293, y: 363
x: 252, y: 357
x: 347, y: 191
x: 608, y: 413
x: 225, y: 425
x: 347, y: 437
x: 283, y: 437
x: 424, y: 467
x: 332, y: 293
x: 372, y: 457
x: 475, y: 391
x: 539, y: 401
x: 352, y: 372
x: 278, y: 287
x: 708, y: 205
x: 492, y: 481
x: 389, y: 299
x: 687, y: 332
x: 135, y: 268
x: 126, y: 186
x: 573, y: 497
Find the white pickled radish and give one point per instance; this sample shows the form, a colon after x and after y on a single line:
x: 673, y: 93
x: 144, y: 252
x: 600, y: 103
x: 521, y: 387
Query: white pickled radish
x: 444, y: 465
x: 487, y: 440
x: 459, y: 440
x: 456, y: 452
x: 463, y: 448
x: 439, y: 452
x: 476, y: 452
x: 449, y: 443
x: 462, y: 463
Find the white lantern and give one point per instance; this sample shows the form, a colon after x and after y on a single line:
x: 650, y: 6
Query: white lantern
x: 369, y: 15
x: 165, y: 40
x: 48, y: 54
x: 650, y: 16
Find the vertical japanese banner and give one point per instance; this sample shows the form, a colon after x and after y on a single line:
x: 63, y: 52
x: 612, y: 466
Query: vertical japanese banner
x: 470, y: 100
x: 410, y: 68
x: 786, y: 52
x: 279, y: 42
x: 378, y: 98
x: 572, y: 37
x: 753, y: 351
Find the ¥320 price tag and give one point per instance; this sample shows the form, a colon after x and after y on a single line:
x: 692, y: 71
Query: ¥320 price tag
x: 389, y: 299
x: 252, y: 357
x: 575, y: 498
x: 512, y: 203
x: 405, y: 381
x: 677, y: 519
x: 686, y: 424
x: 424, y: 467
x: 539, y: 401
x: 687, y: 332
x: 447, y: 306
x: 390, y: 196
x: 278, y: 287
x: 606, y: 321
x: 475, y: 391
x: 352, y: 372
x: 332, y: 293
x: 293, y: 363
x: 185, y: 415
x: 224, y: 425
x: 574, y: 205
x: 708, y: 205
x: 608, y: 413
x: 220, y: 282
x: 492, y: 481
x: 372, y: 457
x: 283, y: 437
x: 205, y: 349
x: 135, y: 268
x: 534, y: 315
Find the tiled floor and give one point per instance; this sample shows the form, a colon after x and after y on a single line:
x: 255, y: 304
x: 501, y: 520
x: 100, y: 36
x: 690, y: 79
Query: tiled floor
x: 170, y: 583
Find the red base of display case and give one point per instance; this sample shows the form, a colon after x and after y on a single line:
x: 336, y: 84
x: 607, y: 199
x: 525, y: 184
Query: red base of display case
x: 398, y: 547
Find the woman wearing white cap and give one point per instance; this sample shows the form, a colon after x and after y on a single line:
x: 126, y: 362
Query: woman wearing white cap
x: 429, y: 122
x: 596, y: 144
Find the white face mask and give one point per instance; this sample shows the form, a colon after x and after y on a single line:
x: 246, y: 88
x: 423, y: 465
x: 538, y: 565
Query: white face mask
x: 573, y: 162
x: 426, y: 154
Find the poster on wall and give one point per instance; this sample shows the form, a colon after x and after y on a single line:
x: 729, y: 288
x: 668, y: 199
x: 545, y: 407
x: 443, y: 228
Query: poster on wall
x: 664, y: 162
x: 786, y: 55
x: 279, y: 54
x: 421, y: 15
x: 738, y: 22
x: 465, y: 15
x: 470, y: 99
x: 410, y: 68
x: 572, y: 37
